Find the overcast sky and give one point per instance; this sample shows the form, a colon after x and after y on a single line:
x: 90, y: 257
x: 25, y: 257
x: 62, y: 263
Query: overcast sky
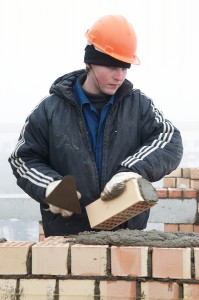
x: 44, y: 39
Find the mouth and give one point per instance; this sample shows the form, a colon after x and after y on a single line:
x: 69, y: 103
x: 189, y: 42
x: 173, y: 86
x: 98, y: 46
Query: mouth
x: 115, y: 85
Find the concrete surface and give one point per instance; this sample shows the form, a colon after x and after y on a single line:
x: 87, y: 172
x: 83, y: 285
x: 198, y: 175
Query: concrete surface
x: 174, y: 211
x: 19, y: 206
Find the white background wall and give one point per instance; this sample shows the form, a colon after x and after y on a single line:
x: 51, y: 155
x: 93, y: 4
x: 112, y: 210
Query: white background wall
x: 44, y: 39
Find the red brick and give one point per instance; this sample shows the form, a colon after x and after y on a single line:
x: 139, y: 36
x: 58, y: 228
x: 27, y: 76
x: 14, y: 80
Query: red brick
x: 183, y: 183
x: 186, y: 227
x: 170, y: 227
x: 14, y: 257
x: 195, y: 183
x: 162, y: 193
x: 41, y: 237
x: 41, y: 232
x: 153, y: 290
x: 124, y: 290
x: 169, y: 182
x: 50, y: 256
x: 74, y: 289
x: 186, y: 172
x: 38, y: 289
x: 94, y: 262
x: 194, y: 173
x: 175, y: 173
x: 189, y: 193
x: 129, y: 261
x: 191, y: 291
x: 174, y: 193
x: 171, y: 262
x: 8, y: 288
x: 106, y: 215
x: 196, y: 228
x: 196, y: 256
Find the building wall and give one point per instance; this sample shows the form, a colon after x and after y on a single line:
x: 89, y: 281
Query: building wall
x: 60, y: 268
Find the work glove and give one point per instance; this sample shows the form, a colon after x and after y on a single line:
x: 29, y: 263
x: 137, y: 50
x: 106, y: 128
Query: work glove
x: 55, y: 209
x: 116, y: 185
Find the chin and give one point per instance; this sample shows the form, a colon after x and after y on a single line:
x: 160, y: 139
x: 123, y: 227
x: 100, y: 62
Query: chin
x: 110, y: 92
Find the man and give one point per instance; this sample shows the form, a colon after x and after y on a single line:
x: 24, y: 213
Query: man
x: 96, y: 128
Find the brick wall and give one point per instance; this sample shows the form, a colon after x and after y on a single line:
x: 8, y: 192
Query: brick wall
x: 182, y: 185
x: 59, y: 268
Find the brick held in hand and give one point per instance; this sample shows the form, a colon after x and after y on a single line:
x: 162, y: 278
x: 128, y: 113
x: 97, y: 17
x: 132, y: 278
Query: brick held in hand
x: 138, y: 196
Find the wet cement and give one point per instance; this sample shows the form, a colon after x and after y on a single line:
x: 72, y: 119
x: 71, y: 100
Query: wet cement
x: 127, y: 237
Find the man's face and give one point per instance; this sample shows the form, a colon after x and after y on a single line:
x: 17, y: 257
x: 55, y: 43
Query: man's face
x: 106, y: 80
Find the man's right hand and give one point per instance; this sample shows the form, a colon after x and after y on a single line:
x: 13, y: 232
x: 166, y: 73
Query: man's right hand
x: 116, y: 185
x: 55, y: 209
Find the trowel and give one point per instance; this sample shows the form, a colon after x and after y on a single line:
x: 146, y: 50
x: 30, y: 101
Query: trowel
x: 65, y: 196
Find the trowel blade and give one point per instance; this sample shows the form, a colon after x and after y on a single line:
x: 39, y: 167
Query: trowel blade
x: 65, y: 196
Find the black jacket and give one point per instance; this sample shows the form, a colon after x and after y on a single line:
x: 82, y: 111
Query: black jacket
x: 54, y: 143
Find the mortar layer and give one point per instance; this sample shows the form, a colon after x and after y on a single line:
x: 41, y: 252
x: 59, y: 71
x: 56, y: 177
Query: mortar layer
x: 127, y: 237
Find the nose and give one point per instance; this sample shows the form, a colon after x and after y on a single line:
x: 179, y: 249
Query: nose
x: 119, y: 74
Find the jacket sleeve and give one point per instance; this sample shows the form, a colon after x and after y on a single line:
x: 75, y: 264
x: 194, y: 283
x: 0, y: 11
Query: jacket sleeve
x: 161, y: 144
x: 29, y: 160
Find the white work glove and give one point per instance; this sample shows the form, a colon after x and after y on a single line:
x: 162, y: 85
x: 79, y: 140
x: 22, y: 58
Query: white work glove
x: 55, y: 209
x: 116, y: 185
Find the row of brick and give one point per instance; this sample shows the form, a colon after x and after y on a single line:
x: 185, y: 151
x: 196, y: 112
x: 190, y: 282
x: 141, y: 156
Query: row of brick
x: 181, y: 183
x: 192, y: 173
x: 59, y: 256
x: 90, y: 289
x: 182, y: 178
x: 172, y: 193
x: 181, y: 227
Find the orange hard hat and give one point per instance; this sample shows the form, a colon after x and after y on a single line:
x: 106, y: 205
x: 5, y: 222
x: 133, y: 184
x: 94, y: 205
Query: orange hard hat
x: 115, y: 36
